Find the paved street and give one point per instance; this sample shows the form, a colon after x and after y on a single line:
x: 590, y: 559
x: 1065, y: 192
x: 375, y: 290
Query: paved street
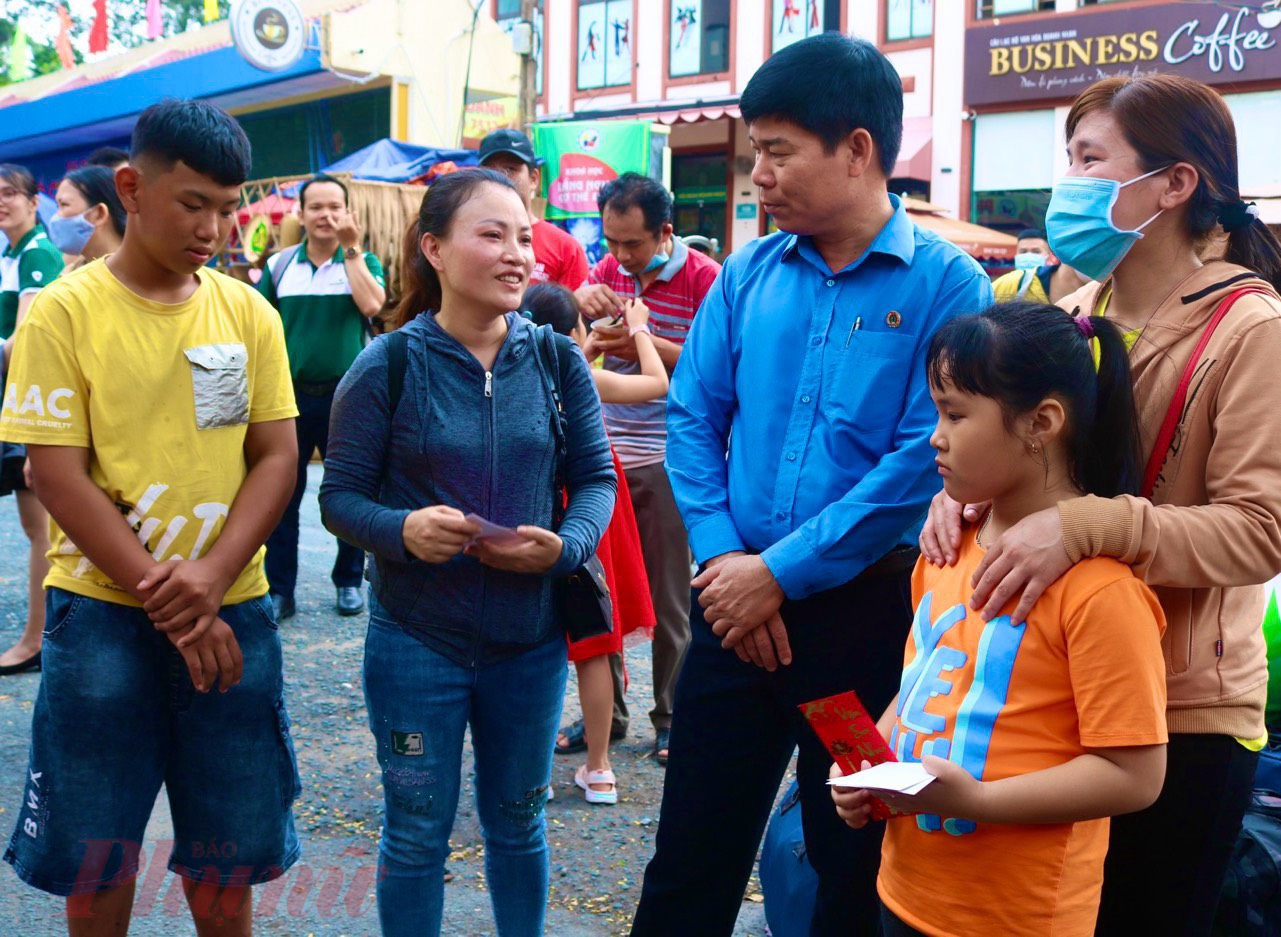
x: 598, y: 854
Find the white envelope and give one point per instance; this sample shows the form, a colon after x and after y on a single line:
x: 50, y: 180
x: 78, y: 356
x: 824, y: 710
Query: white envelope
x: 901, y: 777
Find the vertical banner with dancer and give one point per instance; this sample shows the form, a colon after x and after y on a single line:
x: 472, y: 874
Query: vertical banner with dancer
x: 686, y: 37
x: 794, y: 20
x: 604, y: 44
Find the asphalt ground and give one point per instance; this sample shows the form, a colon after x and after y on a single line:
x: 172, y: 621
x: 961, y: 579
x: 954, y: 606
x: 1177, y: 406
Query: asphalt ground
x: 598, y: 854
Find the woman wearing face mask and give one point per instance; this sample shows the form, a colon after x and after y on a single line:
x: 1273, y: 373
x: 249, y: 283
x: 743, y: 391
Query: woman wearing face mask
x: 462, y: 631
x: 1153, y: 179
x: 28, y: 265
x: 90, y: 222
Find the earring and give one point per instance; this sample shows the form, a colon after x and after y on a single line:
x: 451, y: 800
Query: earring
x: 1035, y: 449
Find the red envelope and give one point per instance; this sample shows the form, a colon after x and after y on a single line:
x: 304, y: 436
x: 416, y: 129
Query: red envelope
x: 849, y: 734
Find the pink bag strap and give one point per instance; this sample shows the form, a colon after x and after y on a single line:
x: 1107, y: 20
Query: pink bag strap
x: 1166, y: 436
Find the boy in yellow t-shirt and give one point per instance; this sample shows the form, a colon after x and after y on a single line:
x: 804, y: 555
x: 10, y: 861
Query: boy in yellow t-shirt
x: 154, y: 397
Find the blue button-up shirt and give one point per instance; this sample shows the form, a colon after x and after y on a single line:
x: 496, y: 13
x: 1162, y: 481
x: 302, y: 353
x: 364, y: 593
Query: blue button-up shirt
x: 799, y: 416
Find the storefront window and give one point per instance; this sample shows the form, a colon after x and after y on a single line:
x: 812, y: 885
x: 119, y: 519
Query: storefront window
x: 507, y: 13
x: 908, y: 19
x: 990, y: 8
x: 700, y: 31
x: 1013, y: 169
x: 1258, y: 140
x: 700, y: 188
x: 793, y: 20
x: 303, y: 138
x: 604, y: 43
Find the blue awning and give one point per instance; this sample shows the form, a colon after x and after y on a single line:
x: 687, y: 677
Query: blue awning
x: 83, y: 117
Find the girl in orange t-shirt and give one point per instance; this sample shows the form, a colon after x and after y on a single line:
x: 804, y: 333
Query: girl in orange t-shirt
x: 1034, y: 731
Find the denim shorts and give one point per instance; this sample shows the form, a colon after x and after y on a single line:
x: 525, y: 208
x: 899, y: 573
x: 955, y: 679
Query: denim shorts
x: 116, y: 716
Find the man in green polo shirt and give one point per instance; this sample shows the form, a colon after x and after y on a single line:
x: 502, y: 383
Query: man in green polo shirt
x: 325, y: 288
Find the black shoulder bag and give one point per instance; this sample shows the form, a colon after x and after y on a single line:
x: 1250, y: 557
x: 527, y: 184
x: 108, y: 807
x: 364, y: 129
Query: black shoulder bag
x: 582, y: 598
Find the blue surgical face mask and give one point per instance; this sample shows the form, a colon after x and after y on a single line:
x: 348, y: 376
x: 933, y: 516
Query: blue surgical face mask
x: 70, y: 234
x: 1030, y: 260
x: 657, y: 261
x: 1080, y: 227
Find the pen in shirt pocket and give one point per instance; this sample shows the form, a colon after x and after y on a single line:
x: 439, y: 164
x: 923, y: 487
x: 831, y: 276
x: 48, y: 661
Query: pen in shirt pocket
x: 858, y: 324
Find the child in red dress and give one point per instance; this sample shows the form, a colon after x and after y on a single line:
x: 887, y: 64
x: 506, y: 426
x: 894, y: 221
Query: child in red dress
x: 619, y: 550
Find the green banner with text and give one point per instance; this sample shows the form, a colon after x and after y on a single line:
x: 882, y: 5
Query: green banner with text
x: 581, y: 156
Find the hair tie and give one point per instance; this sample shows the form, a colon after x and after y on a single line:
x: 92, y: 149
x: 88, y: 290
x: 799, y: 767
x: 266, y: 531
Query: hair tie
x: 1085, y: 325
x: 1238, y: 214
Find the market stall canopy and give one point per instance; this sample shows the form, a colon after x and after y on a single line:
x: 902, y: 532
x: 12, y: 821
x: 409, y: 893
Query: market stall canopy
x: 275, y: 206
x: 391, y: 161
x: 977, y: 241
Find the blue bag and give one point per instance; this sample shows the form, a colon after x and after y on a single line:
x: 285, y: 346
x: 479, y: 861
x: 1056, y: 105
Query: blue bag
x: 788, y: 882
x: 1250, y: 902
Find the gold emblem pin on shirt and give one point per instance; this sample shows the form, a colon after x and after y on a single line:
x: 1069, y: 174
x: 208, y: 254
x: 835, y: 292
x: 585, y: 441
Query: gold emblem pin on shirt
x: 893, y: 319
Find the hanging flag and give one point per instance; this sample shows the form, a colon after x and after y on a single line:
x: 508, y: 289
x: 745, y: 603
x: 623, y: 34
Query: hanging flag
x: 98, y: 37
x: 63, y: 42
x: 211, y: 11
x: 155, y: 24
x: 19, y: 56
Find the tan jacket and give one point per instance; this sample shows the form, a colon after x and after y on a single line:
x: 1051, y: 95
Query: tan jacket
x: 1211, y: 535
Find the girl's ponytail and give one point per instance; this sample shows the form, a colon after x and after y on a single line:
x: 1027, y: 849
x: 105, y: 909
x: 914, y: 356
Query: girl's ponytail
x: 1110, y: 462
x: 1019, y: 353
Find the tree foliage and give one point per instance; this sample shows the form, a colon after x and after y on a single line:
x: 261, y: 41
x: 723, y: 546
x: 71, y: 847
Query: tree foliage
x: 127, y: 27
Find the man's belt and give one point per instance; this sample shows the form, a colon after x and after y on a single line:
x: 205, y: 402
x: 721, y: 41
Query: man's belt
x: 898, y: 560
x: 317, y: 388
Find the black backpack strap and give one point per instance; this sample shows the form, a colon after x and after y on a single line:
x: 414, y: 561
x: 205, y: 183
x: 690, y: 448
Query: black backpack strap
x: 554, y: 351
x: 397, y: 364
x: 278, y: 270
x: 553, y: 362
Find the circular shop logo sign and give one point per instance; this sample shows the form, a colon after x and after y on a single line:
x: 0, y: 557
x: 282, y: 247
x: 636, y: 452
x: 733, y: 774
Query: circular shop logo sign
x: 589, y: 139
x: 270, y: 34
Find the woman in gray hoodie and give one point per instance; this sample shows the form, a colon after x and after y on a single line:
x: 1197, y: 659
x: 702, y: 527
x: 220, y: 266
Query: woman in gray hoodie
x: 448, y: 419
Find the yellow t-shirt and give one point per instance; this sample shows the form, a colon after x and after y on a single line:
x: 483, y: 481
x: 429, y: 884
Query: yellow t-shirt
x: 161, y: 396
x: 1010, y: 286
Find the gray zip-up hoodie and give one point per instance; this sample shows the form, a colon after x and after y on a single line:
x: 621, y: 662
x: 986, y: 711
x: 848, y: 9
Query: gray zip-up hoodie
x: 478, y: 441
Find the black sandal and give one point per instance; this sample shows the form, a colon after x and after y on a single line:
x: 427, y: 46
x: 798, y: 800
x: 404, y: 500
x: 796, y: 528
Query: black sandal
x: 576, y: 738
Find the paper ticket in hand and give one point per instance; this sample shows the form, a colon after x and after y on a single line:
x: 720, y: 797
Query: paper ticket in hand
x: 488, y: 531
x: 899, y: 777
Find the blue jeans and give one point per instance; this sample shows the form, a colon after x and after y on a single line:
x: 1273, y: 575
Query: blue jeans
x: 312, y: 430
x: 420, y: 703
x: 115, y: 716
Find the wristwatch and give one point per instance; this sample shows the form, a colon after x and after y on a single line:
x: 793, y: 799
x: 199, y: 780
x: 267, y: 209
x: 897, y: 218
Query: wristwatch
x: 639, y: 328
x: 351, y: 253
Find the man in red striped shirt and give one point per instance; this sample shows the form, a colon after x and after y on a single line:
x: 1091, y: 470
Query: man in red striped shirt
x: 645, y: 259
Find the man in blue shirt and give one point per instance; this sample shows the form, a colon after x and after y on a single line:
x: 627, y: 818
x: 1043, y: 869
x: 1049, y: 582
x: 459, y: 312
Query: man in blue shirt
x: 799, y: 421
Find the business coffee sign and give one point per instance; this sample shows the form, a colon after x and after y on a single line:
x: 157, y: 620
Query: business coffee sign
x: 1059, y: 55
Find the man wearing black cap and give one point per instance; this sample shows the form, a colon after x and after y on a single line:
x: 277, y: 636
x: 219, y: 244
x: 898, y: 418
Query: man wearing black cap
x: 558, y: 257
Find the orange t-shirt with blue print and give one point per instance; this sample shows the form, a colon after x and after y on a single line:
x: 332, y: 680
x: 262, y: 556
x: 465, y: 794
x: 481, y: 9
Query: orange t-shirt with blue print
x: 1003, y: 699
